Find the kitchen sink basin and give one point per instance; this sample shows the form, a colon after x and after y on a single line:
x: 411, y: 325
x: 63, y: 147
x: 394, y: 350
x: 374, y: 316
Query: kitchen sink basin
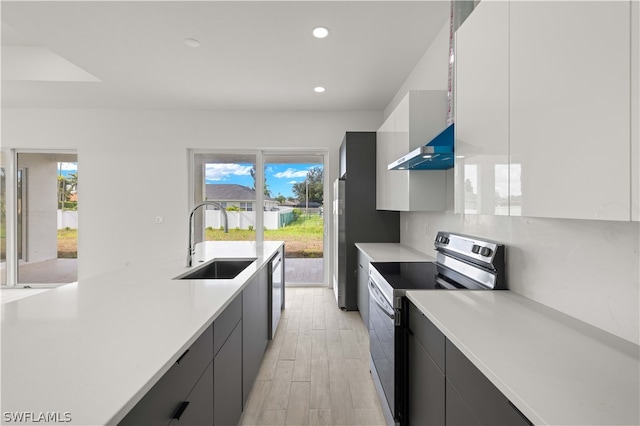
x: 218, y: 270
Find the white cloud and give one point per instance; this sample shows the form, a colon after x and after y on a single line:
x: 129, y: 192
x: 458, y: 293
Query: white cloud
x: 291, y: 173
x: 68, y: 166
x: 222, y: 171
x: 293, y: 182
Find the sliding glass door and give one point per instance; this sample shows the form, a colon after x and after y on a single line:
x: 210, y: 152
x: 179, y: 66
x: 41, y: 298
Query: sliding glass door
x: 294, y: 213
x: 268, y: 196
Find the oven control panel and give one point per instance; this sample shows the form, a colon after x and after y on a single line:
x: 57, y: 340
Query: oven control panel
x: 488, y: 254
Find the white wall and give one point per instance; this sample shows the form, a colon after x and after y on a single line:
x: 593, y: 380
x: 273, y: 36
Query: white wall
x: 40, y: 215
x: 67, y: 219
x: 138, y: 160
x: 587, y: 269
x: 431, y: 72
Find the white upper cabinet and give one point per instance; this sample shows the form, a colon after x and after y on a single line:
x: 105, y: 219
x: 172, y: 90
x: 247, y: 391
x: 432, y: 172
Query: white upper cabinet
x: 570, y: 114
x: 482, y: 111
x: 385, y: 180
x: 420, y: 116
x: 547, y: 110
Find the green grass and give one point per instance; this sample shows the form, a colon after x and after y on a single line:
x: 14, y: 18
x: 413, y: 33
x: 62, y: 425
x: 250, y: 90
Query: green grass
x: 67, y: 243
x: 303, y: 237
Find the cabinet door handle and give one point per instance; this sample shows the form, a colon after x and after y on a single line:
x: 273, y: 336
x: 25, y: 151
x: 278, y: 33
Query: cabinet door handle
x: 182, y: 356
x: 180, y: 410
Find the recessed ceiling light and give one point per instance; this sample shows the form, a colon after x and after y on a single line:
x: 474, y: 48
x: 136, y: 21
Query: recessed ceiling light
x: 320, y: 32
x: 191, y: 42
x: 318, y: 89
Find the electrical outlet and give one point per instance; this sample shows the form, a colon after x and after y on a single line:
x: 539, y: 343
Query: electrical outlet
x: 159, y: 220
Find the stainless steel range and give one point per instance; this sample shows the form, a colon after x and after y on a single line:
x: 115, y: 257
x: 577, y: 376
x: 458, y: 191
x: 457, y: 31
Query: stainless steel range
x: 462, y: 263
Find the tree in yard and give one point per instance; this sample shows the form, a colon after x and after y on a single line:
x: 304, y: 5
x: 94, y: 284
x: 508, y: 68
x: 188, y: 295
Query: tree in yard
x: 314, y: 180
x: 281, y: 199
x: 266, y: 191
x: 72, y: 182
x: 67, y: 185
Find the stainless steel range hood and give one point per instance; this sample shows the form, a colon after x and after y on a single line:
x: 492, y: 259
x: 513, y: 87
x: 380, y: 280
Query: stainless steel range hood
x: 436, y: 155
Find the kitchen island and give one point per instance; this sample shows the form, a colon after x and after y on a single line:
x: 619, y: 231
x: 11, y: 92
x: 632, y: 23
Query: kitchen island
x: 555, y: 369
x: 86, y: 353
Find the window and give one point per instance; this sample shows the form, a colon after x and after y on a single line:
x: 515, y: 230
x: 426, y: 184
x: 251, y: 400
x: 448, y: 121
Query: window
x: 295, y: 190
x: 225, y: 177
x: 290, y: 187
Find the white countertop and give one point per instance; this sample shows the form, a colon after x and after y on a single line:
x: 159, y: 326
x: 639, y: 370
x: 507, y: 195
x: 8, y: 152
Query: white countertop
x: 555, y: 369
x: 94, y: 348
x: 392, y: 252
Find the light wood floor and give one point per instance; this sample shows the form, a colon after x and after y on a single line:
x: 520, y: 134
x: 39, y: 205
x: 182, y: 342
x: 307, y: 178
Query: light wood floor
x: 316, y: 370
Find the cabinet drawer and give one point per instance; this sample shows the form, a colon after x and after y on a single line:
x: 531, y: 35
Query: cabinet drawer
x: 426, y: 387
x: 458, y: 412
x: 199, y: 410
x: 159, y: 405
x: 486, y: 402
x: 428, y: 335
x: 226, y: 322
x: 227, y: 386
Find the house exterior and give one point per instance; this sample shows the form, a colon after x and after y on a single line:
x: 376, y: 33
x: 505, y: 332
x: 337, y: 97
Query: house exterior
x: 243, y: 197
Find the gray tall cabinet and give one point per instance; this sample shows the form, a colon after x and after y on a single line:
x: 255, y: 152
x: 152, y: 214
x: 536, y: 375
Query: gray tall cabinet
x: 362, y: 222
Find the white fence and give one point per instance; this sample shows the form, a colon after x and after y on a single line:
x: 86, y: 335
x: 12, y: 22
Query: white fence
x: 244, y: 220
x: 67, y: 219
x: 241, y: 220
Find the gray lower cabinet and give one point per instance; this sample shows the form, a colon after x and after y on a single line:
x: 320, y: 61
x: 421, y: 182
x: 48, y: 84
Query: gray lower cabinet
x: 209, y: 384
x: 166, y: 398
x: 426, y: 379
x: 482, y: 398
x: 255, y: 328
x: 444, y: 387
x: 363, y: 286
x: 227, y: 386
x: 197, y: 409
x: 458, y: 412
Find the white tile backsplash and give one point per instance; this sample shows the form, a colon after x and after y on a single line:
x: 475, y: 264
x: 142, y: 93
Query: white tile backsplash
x: 587, y: 269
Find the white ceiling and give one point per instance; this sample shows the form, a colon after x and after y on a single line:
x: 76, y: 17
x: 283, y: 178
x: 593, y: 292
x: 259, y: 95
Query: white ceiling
x: 253, y: 55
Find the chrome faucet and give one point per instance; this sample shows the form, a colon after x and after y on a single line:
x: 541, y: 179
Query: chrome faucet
x: 192, y: 249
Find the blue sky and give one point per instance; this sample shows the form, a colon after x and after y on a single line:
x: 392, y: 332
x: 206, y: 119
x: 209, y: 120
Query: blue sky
x: 280, y: 177
x: 65, y: 169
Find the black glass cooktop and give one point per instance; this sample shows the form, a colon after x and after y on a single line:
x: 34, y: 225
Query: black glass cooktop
x: 408, y: 275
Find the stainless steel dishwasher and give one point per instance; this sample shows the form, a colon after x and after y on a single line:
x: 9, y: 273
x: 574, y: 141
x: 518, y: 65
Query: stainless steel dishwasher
x: 277, y: 292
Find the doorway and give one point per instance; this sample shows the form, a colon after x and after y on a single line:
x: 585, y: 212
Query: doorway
x: 268, y: 196
x: 46, y: 218
x: 294, y: 213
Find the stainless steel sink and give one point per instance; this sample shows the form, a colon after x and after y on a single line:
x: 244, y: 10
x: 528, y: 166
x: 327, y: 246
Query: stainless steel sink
x: 218, y: 270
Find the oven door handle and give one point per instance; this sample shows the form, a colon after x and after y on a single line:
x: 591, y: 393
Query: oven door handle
x: 374, y: 292
x: 445, y: 284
